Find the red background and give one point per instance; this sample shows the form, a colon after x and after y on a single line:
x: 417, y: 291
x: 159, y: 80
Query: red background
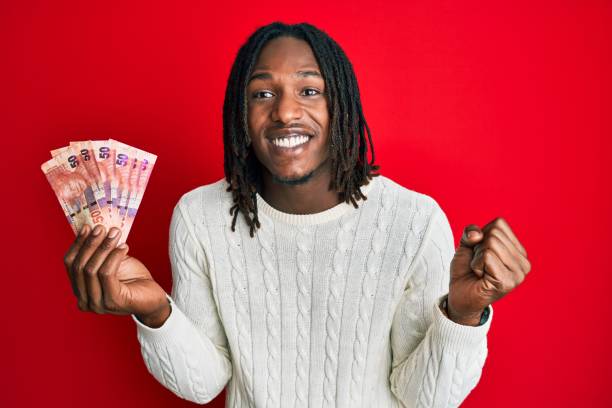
x: 492, y: 110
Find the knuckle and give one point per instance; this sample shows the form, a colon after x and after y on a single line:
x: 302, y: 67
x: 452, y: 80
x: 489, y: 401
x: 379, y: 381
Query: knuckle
x: 109, y: 304
x: 77, y: 267
x: 96, y: 308
x: 106, y: 245
x: 507, y: 286
x: 90, y: 242
x: 496, y: 233
x: 527, y: 267
x: 82, y: 306
x: 67, y: 259
x: 493, y: 241
x: 105, y: 272
x: 90, y: 270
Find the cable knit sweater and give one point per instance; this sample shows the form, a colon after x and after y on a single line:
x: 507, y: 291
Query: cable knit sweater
x: 334, y: 309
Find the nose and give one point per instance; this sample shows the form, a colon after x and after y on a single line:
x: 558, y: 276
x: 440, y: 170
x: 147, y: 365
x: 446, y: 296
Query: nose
x: 287, y: 108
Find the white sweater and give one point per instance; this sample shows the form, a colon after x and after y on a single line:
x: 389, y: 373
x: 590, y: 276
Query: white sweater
x: 334, y: 309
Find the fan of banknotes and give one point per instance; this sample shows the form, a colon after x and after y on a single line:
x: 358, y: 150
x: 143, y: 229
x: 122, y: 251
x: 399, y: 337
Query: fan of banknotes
x: 99, y: 182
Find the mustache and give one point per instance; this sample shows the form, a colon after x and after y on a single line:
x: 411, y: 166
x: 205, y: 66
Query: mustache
x: 276, y: 131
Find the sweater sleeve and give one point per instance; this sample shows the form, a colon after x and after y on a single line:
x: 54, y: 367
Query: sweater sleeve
x: 188, y: 354
x: 436, y: 362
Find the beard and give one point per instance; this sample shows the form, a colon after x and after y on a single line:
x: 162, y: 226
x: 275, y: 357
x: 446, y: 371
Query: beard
x: 297, y: 180
x: 292, y: 181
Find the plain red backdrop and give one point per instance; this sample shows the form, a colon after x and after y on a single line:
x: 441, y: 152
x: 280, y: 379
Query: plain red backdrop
x: 493, y: 110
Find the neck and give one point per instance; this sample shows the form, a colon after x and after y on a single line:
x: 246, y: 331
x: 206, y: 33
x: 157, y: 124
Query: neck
x: 308, y: 197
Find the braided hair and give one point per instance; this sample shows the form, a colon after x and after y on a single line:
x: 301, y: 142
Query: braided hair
x: 348, y: 148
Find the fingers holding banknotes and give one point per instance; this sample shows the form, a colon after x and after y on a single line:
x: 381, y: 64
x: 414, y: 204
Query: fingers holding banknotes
x: 105, y: 279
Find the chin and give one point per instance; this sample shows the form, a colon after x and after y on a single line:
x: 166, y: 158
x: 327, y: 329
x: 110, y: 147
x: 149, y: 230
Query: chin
x: 292, y: 180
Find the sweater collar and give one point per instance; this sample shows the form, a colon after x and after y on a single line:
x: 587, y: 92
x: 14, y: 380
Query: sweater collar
x: 316, y: 218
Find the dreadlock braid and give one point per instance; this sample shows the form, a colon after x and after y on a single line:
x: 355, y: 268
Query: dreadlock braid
x: 348, y: 148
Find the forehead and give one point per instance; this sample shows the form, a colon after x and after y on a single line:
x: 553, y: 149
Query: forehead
x: 286, y: 54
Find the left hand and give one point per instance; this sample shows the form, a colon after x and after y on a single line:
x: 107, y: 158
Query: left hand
x: 488, y: 264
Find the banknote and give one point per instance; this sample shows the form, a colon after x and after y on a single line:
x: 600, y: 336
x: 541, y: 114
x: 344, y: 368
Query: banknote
x: 94, y: 193
x: 105, y: 159
x: 99, y: 182
x: 86, y: 153
x: 60, y: 182
x: 124, y: 162
x: 139, y: 177
x: 74, y: 184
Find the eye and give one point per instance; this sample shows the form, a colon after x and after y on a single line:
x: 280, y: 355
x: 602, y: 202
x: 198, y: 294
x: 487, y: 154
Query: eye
x: 315, y: 91
x: 257, y: 95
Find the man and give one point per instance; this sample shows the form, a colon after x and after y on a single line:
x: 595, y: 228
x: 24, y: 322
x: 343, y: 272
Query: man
x: 304, y: 278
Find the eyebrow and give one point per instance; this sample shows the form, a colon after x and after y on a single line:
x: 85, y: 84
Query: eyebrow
x: 303, y: 74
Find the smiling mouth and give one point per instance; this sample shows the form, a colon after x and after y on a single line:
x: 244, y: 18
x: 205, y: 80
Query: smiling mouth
x: 291, y: 141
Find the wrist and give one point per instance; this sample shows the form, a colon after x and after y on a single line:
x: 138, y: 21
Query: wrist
x: 473, y: 319
x: 158, y: 318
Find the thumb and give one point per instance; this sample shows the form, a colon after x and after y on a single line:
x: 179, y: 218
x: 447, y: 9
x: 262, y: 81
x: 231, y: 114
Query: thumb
x: 472, y: 235
x: 460, y: 265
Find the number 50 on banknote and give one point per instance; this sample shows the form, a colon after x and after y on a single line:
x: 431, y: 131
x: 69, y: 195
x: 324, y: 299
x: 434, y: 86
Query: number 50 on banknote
x: 99, y: 182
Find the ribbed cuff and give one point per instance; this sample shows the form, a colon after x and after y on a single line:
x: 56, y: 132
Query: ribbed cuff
x: 176, y: 321
x: 451, y: 335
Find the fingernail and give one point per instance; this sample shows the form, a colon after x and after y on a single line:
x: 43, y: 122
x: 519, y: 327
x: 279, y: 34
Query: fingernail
x: 472, y: 234
x: 122, y: 246
x: 84, y: 230
x: 113, y: 233
x: 97, y: 230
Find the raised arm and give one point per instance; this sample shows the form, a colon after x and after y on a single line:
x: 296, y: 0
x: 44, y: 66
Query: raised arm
x: 436, y: 362
x: 188, y: 353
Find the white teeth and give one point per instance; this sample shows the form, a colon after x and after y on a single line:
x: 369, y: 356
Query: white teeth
x: 290, y: 141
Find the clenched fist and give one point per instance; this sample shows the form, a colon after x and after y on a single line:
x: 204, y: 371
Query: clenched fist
x: 106, y: 280
x: 488, y: 264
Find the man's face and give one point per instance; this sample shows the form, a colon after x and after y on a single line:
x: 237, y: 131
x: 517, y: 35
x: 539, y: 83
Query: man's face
x: 287, y: 111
